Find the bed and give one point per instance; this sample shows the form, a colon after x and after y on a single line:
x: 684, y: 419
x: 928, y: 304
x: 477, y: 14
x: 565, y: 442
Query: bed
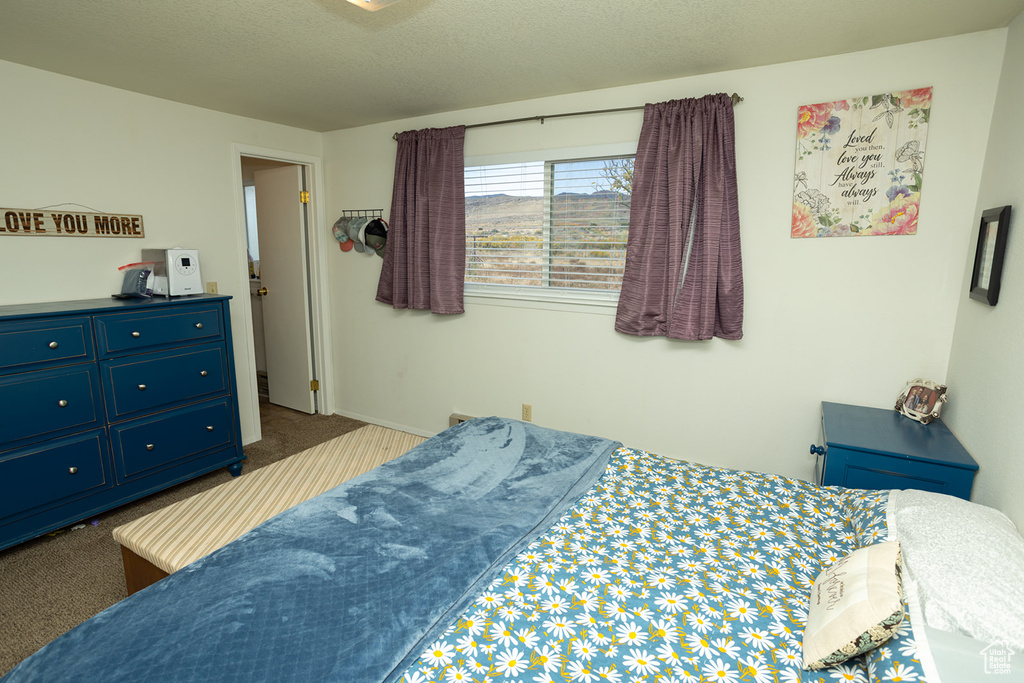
x: 502, y: 551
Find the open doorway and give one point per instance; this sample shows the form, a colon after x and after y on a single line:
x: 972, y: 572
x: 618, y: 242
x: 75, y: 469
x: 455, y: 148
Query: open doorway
x: 279, y: 259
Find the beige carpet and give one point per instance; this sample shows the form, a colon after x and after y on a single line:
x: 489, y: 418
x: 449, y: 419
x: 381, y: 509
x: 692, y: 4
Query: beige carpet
x: 50, y: 584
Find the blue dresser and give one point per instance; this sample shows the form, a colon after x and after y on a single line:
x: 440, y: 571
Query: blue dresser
x: 105, y: 401
x: 874, y: 448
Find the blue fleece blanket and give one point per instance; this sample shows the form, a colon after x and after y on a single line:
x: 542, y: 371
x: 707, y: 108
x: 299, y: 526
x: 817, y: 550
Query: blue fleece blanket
x: 350, y: 585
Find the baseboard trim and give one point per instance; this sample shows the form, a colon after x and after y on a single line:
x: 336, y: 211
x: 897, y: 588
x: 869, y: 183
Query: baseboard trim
x: 387, y: 423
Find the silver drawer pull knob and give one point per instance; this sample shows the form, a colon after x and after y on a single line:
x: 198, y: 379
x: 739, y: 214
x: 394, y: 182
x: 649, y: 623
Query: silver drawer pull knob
x: 149, y: 446
x: 209, y: 428
x: 53, y: 345
x: 62, y: 403
x: 142, y: 387
x: 136, y: 335
x: 199, y: 326
x: 203, y: 373
x: 72, y: 470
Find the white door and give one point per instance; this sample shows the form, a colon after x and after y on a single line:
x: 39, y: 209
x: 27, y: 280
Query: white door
x: 281, y: 220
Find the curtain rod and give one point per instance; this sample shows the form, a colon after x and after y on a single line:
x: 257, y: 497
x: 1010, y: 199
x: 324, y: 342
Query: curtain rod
x: 736, y: 99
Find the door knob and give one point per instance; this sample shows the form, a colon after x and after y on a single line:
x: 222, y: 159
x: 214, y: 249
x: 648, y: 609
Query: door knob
x: 262, y: 291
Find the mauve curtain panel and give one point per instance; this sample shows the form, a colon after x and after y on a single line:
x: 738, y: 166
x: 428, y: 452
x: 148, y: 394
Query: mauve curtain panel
x: 683, y: 276
x: 425, y: 259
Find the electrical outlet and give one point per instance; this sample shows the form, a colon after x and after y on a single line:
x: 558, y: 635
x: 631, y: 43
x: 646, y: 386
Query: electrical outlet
x: 527, y: 412
x: 211, y: 287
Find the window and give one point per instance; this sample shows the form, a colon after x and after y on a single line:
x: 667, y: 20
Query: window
x: 548, y: 229
x: 251, y: 233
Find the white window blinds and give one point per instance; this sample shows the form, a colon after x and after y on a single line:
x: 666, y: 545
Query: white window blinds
x: 548, y: 225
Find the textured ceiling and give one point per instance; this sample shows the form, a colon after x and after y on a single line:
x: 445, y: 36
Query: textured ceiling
x: 327, y: 64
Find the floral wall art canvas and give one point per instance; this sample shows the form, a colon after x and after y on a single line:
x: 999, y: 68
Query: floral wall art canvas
x: 860, y: 165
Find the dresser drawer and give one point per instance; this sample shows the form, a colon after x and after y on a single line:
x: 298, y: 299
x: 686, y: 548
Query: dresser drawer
x: 153, y: 443
x: 119, y: 333
x: 48, y: 403
x: 26, y: 345
x: 138, y: 385
x: 51, y: 473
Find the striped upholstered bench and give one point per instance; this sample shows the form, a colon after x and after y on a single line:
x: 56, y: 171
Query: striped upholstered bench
x: 166, y: 540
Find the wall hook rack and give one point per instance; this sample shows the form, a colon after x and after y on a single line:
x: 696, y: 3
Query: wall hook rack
x: 362, y: 213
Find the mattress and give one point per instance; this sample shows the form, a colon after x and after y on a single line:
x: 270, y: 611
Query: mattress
x: 672, y: 571
x: 499, y: 550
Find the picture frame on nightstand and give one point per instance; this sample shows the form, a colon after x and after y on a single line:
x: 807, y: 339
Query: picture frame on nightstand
x: 921, y: 400
x: 988, y: 256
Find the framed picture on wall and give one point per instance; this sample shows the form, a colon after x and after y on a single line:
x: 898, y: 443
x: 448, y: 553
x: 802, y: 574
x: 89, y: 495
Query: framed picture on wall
x: 988, y: 257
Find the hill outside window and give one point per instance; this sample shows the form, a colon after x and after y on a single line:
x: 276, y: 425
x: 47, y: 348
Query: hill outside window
x: 548, y: 230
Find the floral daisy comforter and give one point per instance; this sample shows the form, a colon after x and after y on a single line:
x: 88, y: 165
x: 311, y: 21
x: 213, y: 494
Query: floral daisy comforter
x: 674, y: 572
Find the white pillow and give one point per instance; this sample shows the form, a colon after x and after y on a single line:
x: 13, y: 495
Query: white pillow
x: 967, y: 561
x: 855, y: 605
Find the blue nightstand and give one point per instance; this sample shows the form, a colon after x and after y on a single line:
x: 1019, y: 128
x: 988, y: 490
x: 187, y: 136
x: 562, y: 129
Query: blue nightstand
x: 874, y: 448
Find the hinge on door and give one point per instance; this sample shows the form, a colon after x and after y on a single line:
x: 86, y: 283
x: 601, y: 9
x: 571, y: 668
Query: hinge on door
x: 314, y: 385
x: 304, y: 197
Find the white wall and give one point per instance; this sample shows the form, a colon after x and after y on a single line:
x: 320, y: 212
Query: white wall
x: 67, y: 140
x: 836, y: 319
x: 847, y: 320
x: 986, y: 370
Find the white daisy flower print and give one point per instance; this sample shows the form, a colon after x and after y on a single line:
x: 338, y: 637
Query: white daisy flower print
x: 555, y: 605
x: 559, y: 628
x: 457, y: 674
x: 699, y: 622
x: 900, y: 673
x: 502, y: 633
x: 630, y: 634
x: 757, y: 638
x: 664, y: 629
x: 742, y: 611
x: 640, y: 661
x: 670, y: 602
x: 595, y: 576
x: 756, y: 670
x: 510, y: 662
x: 467, y: 645
x: 847, y: 673
x: 528, y: 637
x: 489, y: 599
x: 580, y: 671
x: 699, y: 646
x: 582, y: 649
x: 719, y: 671
x: 547, y: 658
x: 439, y: 654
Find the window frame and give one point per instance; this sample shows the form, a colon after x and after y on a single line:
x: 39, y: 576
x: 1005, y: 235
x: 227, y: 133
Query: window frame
x: 583, y: 300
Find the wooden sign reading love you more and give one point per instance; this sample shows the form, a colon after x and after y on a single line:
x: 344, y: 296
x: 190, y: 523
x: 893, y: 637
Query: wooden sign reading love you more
x: 39, y: 222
